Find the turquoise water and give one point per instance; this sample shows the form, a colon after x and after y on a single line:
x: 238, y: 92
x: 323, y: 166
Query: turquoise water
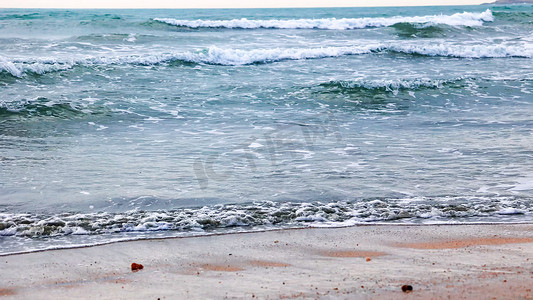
x: 121, y: 124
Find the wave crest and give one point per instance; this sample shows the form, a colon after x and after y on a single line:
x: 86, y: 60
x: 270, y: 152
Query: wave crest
x: 465, y: 51
x: 234, y: 57
x: 43, y: 108
x: 458, y: 19
x: 212, y: 55
x: 391, y: 85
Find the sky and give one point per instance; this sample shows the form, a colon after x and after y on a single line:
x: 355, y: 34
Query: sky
x: 223, y: 3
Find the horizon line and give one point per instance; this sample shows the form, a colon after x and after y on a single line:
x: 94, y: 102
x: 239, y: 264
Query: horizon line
x: 267, y: 7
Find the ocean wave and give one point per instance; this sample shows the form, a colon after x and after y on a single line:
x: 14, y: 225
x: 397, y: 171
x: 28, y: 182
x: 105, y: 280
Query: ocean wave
x: 409, y: 210
x: 391, y: 85
x: 43, y: 108
x: 515, y: 16
x: 18, y: 68
x: 212, y: 55
x: 20, y: 16
x: 56, y: 110
x: 9, y: 67
x: 234, y: 57
x: 458, y: 19
x: 118, y: 37
x: 465, y: 51
x: 413, y: 30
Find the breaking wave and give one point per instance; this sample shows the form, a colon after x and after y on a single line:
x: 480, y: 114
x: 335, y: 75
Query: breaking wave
x: 458, y: 19
x: 42, y: 107
x: 270, y: 214
x: 234, y: 57
x: 465, y: 51
x: 212, y: 55
x: 391, y: 85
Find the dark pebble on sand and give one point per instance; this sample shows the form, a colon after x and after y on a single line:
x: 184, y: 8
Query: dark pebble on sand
x: 136, y: 267
x: 407, y: 288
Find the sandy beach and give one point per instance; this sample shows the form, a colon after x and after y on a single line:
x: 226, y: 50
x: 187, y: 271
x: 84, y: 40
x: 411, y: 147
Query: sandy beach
x: 363, y: 262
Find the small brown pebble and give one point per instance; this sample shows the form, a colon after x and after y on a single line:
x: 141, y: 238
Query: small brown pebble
x: 136, y: 267
x: 335, y: 289
x: 276, y: 241
x: 407, y: 288
x: 368, y: 259
x: 362, y: 286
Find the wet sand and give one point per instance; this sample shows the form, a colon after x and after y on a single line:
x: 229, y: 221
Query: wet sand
x: 364, y: 262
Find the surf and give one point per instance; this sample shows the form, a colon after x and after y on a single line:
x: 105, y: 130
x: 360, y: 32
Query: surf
x: 238, y: 57
x: 458, y: 19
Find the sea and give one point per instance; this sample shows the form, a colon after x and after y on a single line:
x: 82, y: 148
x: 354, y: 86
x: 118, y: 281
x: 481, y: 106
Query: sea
x: 137, y: 124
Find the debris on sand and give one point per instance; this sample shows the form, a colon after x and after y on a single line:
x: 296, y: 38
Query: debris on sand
x: 407, y: 288
x: 136, y: 267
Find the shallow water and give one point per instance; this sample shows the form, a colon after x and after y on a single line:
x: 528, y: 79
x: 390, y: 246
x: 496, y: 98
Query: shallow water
x: 120, y: 124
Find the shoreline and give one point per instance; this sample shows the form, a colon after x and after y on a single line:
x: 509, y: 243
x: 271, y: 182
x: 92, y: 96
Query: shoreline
x: 361, y: 262
x: 127, y: 240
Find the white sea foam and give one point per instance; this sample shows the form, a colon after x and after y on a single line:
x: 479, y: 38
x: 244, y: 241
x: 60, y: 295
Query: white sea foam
x: 221, y: 56
x: 212, y: 55
x: 410, y: 210
x: 9, y: 67
x: 394, y: 85
x: 465, y: 51
x: 233, y: 57
x: 458, y: 19
x: 18, y: 69
x: 524, y: 184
